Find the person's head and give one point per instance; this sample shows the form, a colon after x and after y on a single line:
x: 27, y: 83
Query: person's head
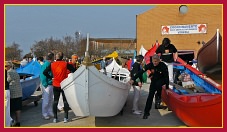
x: 8, y: 65
x: 59, y: 56
x: 104, y: 58
x: 139, y: 58
x: 40, y: 59
x: 29, y: 59
x: 74, y: 58
x: 50, y: 56
x: 155, y: 59
x: 166, y: 42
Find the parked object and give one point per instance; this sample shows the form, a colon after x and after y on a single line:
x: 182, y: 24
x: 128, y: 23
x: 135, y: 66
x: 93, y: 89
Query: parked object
x: 29, y: 75
x: 209, y: 56
x: 116, y: 71
x: 200, y: 106
x: 91, y: 93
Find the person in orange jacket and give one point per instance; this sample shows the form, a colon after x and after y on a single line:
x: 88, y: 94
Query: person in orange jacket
x: 59, y: 70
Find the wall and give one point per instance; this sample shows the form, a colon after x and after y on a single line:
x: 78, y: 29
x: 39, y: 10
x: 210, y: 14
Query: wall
x: 148, y: 25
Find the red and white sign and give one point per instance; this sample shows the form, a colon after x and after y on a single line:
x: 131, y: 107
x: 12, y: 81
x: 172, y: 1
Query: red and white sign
x: 184, y: 29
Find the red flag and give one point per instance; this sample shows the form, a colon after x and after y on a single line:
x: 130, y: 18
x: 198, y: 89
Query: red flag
x: 151, y: 52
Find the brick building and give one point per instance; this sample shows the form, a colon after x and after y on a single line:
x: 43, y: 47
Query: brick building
x: 151, y: 24
x: 104, y: 46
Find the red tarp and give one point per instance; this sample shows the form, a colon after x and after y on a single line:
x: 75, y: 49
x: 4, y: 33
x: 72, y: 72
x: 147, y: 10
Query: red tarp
x: 150, y: 52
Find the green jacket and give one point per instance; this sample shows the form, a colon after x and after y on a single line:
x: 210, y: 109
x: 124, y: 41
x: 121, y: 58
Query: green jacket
x: 43, y: 79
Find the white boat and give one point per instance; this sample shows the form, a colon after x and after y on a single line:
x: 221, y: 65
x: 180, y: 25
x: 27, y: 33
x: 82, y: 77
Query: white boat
x: 116, y: 71
x: 91, y: 93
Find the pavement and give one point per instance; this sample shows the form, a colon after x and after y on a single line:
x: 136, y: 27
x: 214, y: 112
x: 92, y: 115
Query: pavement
x: 31, y: 117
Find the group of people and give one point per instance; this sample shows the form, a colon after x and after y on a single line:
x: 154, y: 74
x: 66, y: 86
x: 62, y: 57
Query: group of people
x: 51, y: 74
x: 54, y: 72
x: 161, y: 68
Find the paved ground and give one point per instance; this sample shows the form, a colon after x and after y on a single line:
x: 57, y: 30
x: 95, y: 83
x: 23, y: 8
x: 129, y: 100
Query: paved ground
x: 31, y: 117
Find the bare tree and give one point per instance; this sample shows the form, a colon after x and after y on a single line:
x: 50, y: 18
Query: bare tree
x: 13, y: 52
x: 68, y: 45
x: 43, y: 47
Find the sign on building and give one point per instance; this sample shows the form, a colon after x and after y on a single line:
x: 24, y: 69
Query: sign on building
x: 184, y: 29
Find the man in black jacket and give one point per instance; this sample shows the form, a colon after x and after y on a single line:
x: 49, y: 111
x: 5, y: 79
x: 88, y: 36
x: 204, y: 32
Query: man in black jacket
x: 159, y: 77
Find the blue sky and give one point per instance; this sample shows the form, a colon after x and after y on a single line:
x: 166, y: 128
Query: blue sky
x: 27, y: 24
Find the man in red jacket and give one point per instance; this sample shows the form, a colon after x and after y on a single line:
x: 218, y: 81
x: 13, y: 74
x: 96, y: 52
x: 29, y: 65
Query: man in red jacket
x: 59, y: 70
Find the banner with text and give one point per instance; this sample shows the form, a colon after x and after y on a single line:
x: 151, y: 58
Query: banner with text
x: 184, y: 29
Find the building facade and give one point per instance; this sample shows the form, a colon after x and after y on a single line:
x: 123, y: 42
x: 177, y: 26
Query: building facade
x: 105, y: 46
x: 187, y: 26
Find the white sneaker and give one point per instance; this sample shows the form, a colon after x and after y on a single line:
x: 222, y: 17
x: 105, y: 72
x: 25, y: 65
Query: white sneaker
x: 65, y: 120
x: 60, y: 109
x: 54, y: 120
x: 51, y: 115
x: 46, y: 117
x: 137, y: 113
x: 12, y: 123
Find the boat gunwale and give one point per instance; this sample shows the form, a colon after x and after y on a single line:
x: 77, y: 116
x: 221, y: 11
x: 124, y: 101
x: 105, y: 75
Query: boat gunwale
x: 198, y: 74
x: 101, y: 76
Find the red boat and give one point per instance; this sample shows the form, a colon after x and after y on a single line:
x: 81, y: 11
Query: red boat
x: 196, y: 109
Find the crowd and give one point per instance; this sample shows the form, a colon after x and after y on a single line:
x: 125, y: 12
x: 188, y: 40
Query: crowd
x: 54, y: 69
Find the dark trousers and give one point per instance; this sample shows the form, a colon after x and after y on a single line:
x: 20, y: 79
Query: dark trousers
x: 57, y: 91
x: 156, y: 85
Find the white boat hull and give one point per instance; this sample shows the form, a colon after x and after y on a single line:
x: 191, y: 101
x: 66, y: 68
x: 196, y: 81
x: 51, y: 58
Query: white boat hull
x: 91, y: 93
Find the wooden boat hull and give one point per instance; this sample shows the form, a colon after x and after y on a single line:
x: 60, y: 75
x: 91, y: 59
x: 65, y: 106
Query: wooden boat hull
x: 210, y: 50
x: 197, y: 109
x: 91, y: 93
x: 32, y: 82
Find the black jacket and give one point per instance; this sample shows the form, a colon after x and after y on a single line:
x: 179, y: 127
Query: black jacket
x: 167, y: 57
x: 136, y: 67
x: 160, y: 73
